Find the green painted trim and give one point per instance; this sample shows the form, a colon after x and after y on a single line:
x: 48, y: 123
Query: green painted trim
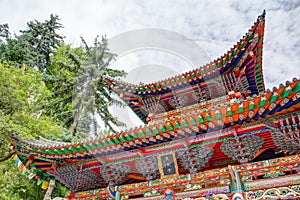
x: 208, y: 117
x: 249, y: 37
x: 66, y: 150
x: 74, y: 149
x: 105, y: 143
x: 116, y: 140
x: 210, y: 142
x: 234, y: 52
x: 82, y: 148
x: 251, y: 105
x: 170, y: 127
x: 177, y: 125
x: 296, y: 87
x: 87, y: 146
x: 99, y: 144
x: 258, y: 50
x: 93, y: 145
x: 218, y: 114
x: 262, y: 102
x: 273, y: 97
x: 241, y: 108
x: 155, y: 130
x: 257, y: 66
x: 149, y: 132
x: 223, y: 61
x: 35, y: 149
x: 111, y: 141
x: 59, y: 151
x: 241, y: 45
x: 32, y: 164
x: 50, y: 151
x: 163, y: 129
x: 259, y: 40
x: 193, y: 121
x: 229, y: 57
x: 142, y: 133
x: 285, y: 92
x: 128, y: 137
x: 123, y: 139
x: 184, y: 123
x: 200, y: 119
x: 214, y: 66
x: 258, y: 57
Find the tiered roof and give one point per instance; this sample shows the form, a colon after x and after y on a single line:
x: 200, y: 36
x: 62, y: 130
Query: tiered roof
x: 240, y: 124
x: 192, y: 121
x: 240, y: 67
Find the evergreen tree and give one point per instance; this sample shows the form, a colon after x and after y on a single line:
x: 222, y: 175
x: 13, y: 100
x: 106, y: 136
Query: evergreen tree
x: 19, y: 51
x: 93, y: 96
x: 65, y: 64
x: 49, y: 89
x: 4, y: 32
x: 44, y: 39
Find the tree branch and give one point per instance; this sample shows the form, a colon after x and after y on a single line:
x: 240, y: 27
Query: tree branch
x: 7, y: 157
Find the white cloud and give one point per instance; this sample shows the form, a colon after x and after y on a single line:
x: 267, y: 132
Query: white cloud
x: 214, y: 25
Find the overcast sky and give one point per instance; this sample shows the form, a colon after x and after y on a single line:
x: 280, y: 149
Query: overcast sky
x: 215, y: 26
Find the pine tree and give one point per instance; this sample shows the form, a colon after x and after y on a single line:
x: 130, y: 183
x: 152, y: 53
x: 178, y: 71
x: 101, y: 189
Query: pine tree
x: 4, y: 32
x: 44, y: 39
x: 19, y: 51
x: 93, y: 96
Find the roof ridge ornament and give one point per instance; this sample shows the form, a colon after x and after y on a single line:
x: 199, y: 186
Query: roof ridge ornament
x: 263, y: 15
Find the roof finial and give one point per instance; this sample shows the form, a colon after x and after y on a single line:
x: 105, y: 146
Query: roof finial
x: 263, y: 14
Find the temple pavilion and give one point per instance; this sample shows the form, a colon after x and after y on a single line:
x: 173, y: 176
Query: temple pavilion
x: 214, y: 132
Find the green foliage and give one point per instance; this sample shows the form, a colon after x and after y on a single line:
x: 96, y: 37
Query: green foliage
x: 80, y: 94
x: 44, y: 39
x: 4, y: 32
x: 21, y: 95
x: 19, y: 51
x: 61, y: 80
x: 21, y: 90
x: 52, y: 90
x: 16, y: 186
x: 93, y: 96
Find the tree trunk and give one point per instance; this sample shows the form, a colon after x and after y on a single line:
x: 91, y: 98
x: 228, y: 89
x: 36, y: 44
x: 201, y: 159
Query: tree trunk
x: 49, y: 190
x: 7, y: 157
x: 77, y: 116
